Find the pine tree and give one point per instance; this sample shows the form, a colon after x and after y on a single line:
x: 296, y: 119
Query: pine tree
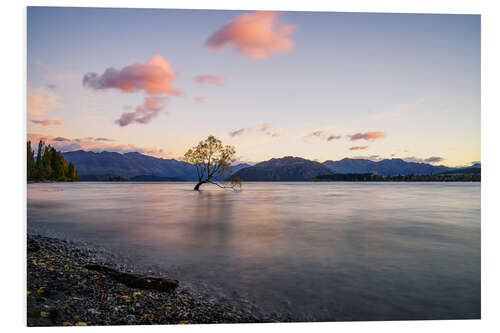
x: 58, y: 165
x: 46, y: 168
x: 72, y: 175
x: 50, y: 164
x: 38, y: 164
x: 31, y: 162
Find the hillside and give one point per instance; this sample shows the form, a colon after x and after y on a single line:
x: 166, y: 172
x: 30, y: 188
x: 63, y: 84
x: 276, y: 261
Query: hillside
x: 132, y: 166
x: 387, y: 167
x: 283, y: 169
x: 465, y: 171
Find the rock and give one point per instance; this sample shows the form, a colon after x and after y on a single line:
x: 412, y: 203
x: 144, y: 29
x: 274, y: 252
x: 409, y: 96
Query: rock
x: 33, y: 245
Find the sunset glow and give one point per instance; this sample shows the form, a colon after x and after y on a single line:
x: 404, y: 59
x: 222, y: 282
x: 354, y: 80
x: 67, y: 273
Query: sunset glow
x: 321, y: 86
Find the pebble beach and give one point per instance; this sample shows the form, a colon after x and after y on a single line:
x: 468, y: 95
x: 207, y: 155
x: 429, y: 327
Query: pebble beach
x: 62, y: 292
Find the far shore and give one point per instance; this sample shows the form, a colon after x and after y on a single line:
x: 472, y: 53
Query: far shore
x: 266, y: 181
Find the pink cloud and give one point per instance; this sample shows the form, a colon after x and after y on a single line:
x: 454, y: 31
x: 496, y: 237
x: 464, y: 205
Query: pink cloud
x: 47, y: 122
x: 199, y: 99
x: 358, y: 148
x: 211, y: 78
x: 40, y: 101
x: 368, y: 135
x: 143, y: 113
x: 154, y: 77
x: 264, y: 127
x: 256, y: 34
x: 91, y: 144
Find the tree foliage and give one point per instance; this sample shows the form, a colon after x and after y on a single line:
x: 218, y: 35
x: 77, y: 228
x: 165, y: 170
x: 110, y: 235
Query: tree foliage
x: 212, y: 160
x: 49, y: 164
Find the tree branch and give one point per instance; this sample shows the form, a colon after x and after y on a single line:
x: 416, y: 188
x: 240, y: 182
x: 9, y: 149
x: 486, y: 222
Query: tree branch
x: 222, y: 186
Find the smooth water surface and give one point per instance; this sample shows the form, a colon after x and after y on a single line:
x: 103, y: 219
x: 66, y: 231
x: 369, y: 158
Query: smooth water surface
x: 321, y: 251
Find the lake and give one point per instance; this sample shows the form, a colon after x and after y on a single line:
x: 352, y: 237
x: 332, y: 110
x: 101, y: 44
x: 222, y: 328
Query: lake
x: 320, y: 251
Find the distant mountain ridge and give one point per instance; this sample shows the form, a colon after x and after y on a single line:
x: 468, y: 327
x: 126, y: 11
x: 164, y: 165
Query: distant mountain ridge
x: 128, y: 165
x: 132, y: 166
x: 135, y: 166
x: 387, y: 167
x: 283, y: 169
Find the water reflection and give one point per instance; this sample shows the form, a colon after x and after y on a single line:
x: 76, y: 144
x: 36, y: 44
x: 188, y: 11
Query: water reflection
x: 329, y: 251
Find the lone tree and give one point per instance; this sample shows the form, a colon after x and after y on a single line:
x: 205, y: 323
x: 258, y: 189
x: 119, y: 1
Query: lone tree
x: 212, y: 160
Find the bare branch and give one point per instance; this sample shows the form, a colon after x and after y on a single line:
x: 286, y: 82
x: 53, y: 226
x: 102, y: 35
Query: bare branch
x: 232, y: 186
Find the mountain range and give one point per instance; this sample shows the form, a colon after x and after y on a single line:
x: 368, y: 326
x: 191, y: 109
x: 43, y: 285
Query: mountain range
x: 387, y: 167
x: 132, y: 166
x: 135, y: 166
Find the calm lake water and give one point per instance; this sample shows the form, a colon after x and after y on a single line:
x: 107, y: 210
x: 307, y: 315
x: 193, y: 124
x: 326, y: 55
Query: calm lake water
x: 321, y: 251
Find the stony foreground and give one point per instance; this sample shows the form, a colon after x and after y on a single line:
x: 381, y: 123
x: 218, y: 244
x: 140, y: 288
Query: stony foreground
x: 62, y: 292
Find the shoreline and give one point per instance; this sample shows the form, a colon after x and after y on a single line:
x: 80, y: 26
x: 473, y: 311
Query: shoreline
x: 62, y: 292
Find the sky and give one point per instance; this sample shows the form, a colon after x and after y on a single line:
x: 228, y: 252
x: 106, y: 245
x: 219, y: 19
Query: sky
x: 318, y: 85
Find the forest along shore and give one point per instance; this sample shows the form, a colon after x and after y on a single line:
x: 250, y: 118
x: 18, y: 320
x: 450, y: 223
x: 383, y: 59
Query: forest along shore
x: 62, y: 291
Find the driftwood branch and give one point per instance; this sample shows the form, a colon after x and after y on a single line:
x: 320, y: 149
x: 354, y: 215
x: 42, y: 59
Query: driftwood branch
x: 135, y: 280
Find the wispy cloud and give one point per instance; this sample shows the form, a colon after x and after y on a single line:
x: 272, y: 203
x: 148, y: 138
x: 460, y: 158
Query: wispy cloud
x: 154, y: 77
x: 374, y: 158
x: 333, y: 137
x: 263, y: 127
x: 322, y: 134
x: 399, y: 110
x: 237, y: 132
x: 314, y: 134
x: 46, y: 122
x: 40, y: 101
x: 199, y: 99
x: 433, y: 159
x: 358, y: 148
x: 273, y: 134
x: 61, y: 77
x: 143, y: 113
x: 257, y: 34
x: 218, y: 80
x: 367, y: 136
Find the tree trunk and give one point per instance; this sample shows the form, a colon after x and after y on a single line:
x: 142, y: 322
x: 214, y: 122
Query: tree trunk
x: 135, y: 280
x: 197, y: 187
